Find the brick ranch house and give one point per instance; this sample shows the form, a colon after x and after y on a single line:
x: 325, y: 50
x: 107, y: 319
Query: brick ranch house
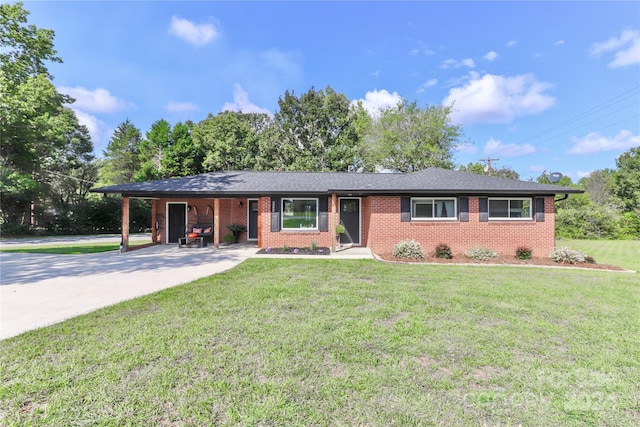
x: 378, y: 210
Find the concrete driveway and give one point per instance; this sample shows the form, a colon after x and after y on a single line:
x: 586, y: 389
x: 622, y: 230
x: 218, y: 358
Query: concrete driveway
x: 37, y: 290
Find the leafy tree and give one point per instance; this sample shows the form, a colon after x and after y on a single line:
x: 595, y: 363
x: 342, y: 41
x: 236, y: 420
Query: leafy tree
x: 313, y: 132
x: 599, y: 185
x: 627, y: 180
x: 407, y: 138
x: 229, y: 140
x: 34, y: 123
x: 121, y: 157
x: 25, y: 48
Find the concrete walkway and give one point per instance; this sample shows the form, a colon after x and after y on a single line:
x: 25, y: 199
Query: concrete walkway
x: 37, y: 290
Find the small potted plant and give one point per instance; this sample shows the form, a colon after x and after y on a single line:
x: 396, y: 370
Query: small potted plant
x: 236, y: 229
x: 339, y: 230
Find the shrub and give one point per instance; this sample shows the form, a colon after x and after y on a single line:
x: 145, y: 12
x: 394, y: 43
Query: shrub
x: 481, y: 254
x: 567, y: 255
x: 229, y: 238
x: 313, y: 246
x: 286, y: 248
x: 523, y: 252
x: 443, y: 251
x: 408, y: 249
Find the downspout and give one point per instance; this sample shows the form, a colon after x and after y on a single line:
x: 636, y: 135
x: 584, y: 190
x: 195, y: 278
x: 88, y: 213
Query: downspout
x: 566, y: 196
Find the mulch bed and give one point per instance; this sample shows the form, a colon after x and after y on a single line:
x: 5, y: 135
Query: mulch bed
x: 295, y: 251
x: 462, y: 259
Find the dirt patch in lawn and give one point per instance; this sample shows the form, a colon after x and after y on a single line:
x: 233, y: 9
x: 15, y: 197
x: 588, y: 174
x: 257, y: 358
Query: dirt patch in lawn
x: 463, y: 259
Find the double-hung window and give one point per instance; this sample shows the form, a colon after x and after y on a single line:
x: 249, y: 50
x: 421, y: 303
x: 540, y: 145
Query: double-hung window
x: 427, y: 208
x: 299, y: 214
x: 510, y: 208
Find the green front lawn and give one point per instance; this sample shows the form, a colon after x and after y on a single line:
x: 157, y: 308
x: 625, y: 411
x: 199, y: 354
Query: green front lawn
x: 70, y: 249
x: 621, y: 253
x: 357, y: 342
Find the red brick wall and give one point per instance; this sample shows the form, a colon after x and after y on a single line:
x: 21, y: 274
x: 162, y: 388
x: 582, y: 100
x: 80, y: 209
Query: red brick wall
x: 385, y: 230
x: 301, y: 239
x: 230, y: 213
x: 382, y: 228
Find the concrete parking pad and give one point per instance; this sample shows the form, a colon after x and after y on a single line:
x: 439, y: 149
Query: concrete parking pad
x: 37, y: 290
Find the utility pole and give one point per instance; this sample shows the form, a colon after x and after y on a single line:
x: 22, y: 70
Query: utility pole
x: 487, y: 163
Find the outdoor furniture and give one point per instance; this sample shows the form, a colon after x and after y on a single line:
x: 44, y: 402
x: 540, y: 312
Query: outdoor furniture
x: 202, y: 234
x: 190, y: 241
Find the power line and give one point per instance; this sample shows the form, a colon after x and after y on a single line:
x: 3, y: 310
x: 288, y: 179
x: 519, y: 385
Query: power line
x: 616, y: 100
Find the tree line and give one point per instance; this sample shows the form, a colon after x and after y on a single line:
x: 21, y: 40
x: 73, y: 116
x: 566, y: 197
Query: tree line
x: 48, y: 165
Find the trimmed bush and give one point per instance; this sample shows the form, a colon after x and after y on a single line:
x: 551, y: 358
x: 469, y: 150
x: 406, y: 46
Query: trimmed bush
x: 443, y: 251
x: 565, y: 255
x: 481, y: 254
x: 408, y: 249
x: 523, y: 252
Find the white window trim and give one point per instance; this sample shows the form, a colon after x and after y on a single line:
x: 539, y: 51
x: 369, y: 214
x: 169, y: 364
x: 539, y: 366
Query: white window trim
x: 452, y: 218
x: 284, y: 199
x: 509, y: 218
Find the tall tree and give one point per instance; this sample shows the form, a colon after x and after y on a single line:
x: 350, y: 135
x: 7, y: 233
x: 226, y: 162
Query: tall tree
x: 314, y: 132
x: 627, y: 180
x: 407, y: 138
x: 228, y: 140
x: 183, y: 157
x: 152, y: 151
x: 33, y: 120
x: 121, y: 157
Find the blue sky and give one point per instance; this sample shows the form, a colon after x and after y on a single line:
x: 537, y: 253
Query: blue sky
x: 540, y: 86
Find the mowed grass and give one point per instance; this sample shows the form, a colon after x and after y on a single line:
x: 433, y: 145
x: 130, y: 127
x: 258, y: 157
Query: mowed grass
x: 70, y: 249
x: 621, y: 253
x: 277, y: 342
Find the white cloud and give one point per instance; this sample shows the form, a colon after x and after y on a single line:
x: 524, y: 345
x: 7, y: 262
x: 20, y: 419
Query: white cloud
x: 196, y: 34
x: 95, y: 101
x: 511, y: 43
x: 626, y: 48
x: 495, y: 147
x: 490, y: 56
x: 454, y: 63
x: 241, y: 102
x: 426, y: 85
x: 374, y: 101
x: 99, y: 131
x: 180, y: 107
x: 498, y: 99
x: 558, y: 42
x: 594, y: 142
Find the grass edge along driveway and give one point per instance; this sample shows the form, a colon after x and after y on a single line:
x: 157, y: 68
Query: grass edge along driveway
x: 315, y: 342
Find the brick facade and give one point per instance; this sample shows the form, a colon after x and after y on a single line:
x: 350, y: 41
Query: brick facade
x: 382, y: 227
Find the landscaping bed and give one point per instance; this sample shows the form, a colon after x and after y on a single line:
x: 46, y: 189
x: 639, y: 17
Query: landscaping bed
x: 502, y: 260
x: 295, y: 251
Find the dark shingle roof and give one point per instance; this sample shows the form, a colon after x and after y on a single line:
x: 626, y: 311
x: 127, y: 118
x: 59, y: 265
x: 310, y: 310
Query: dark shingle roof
x: 246, y: 184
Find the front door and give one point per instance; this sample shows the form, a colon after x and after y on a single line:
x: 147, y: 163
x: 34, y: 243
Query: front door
x: 350, y: 217
x: 177, y: 221
x: 253, y: 220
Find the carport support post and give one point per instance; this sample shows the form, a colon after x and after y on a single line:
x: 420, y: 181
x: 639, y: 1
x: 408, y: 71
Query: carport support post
x: 125, y: 224
x: 154, y: 212
x: 216, y: 223
x: 334, y: 221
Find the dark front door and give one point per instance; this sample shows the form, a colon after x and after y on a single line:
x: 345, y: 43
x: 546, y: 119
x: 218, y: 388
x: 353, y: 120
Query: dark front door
x: 176, y: 222
x: 253, y: 220
x: 350, y: 217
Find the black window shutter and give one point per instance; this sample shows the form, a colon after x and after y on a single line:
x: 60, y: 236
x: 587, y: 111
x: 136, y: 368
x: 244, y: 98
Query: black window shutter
x: 484, y: 209
x: 275, y: 214
x: 405, y: 209
x: 540, y: 209
x: 323, y: 214
x: 463, y: 208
